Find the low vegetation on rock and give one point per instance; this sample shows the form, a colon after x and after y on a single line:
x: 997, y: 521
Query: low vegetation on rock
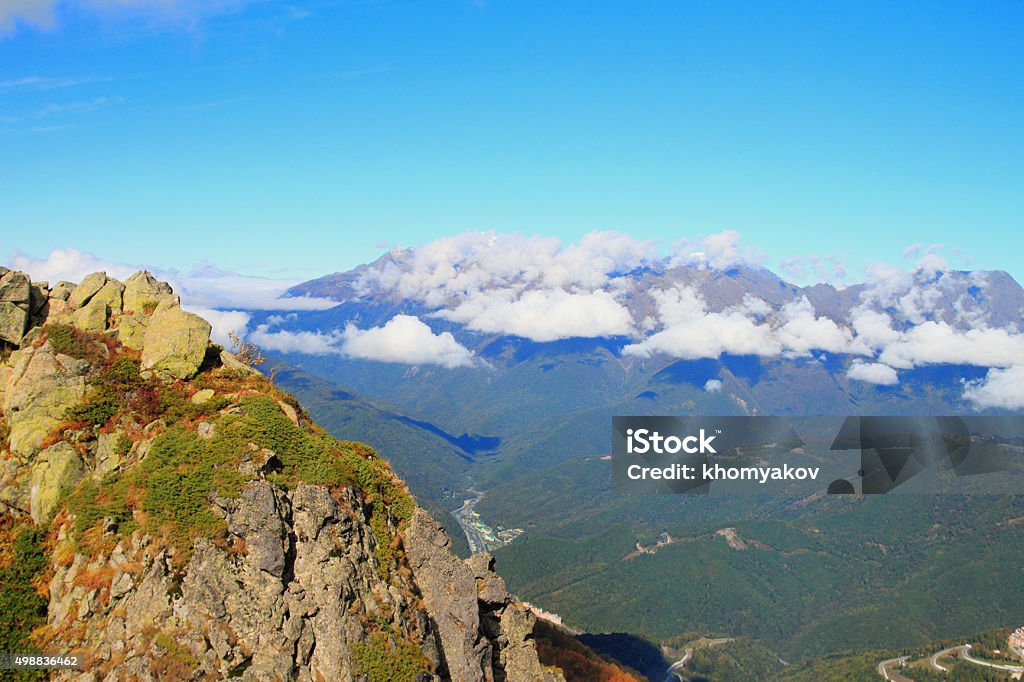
x: 172, y: 514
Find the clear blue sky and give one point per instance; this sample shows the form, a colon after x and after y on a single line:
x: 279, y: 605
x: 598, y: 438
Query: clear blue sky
x: 267, y: 135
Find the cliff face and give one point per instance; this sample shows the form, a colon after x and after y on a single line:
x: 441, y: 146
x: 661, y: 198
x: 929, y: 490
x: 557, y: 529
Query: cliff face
x: 196, y: 525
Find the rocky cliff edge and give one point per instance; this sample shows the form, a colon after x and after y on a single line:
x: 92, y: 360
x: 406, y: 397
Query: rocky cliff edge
x: 170, y: 514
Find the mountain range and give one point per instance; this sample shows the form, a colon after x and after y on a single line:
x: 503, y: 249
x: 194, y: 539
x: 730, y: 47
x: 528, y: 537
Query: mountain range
x: 511, y: 357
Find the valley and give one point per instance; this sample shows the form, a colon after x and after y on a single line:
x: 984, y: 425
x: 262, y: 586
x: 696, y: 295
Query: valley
x: 805, y: 575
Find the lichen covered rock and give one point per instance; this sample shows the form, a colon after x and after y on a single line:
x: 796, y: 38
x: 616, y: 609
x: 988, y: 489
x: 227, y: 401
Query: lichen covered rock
x: 175, y: 341
x: 55, y: 472
x: 143, y: 292
x: 15, y: 306
x: 41, y: 386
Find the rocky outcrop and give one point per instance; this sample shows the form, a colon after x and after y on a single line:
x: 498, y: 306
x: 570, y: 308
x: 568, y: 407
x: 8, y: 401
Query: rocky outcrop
x: 143, y: 293
x: 485, y: 636
x: 175, y: 341
x: 54, y: 474
x: 41, y: 385
x: 299, y: 581
x: 293, y: 604
x: 15, y: 306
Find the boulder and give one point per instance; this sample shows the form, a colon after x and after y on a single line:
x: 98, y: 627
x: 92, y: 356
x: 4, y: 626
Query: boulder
x: 15, y: 287
x: 175, y: 341
x: 86, y: 289
x: 233, y: 364
x: 203, y: 396
x: 489, y: 585
x: 54, y: 474
x: 110, y: 451
x: 92, y: 317
x: 112, y: 294
x: 39, y: 303
x: 15, y: 306
x: 131, y: 329
x: 13, y: 322
x: 61, y: 291
x: 142, y: 291
x: 41, y: 386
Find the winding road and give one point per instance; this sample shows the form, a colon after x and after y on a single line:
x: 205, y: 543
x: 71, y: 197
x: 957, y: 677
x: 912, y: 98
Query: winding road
x: 883, y: 669
x: 675, y: 670
x: 964, y: 651
x: 966, y: 655
x: 934, y: 660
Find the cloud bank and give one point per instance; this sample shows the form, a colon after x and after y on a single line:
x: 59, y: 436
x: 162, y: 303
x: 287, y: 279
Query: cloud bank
x: 404, y: 339
x: 1001, y: 388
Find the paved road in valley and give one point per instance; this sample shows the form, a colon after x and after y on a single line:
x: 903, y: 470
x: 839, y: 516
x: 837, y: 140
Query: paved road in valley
x: 883, y: 669
x: 473, y: 536
x: 934, y: 660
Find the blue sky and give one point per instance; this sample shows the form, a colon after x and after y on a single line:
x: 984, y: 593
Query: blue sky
x: 298, y: 137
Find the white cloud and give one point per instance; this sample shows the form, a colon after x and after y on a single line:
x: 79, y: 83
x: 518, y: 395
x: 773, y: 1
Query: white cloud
x: 205, y: 286
x: 803, y: 331
x: 712, y: 385
x: 691, y: 332
x: 408, y: 340
x: 307, y: 342
x: 68, y: 264
x: 1000, y: 388
x: 543, y: 314
x: 933, y: 343
x: 719, y: 251
x: 449, y: 270
x: 873, y: 373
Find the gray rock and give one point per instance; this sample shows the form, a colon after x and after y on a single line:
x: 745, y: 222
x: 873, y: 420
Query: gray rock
x: 449, y: 593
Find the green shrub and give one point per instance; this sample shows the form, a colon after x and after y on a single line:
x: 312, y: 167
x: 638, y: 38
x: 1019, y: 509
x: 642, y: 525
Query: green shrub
x: 92, y: 501
x: 112, y: 388
x: 21, y: 607
x: 178, y: 475
x: 384, y: 660
x: 68, y: 340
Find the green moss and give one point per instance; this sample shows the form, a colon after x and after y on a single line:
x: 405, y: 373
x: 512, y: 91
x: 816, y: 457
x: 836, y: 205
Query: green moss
x: 21, y: 607
x: 383, y: 659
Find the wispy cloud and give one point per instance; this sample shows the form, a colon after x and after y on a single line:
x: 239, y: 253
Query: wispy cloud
x: 38, y: 13
x: 59, y: 109
x: 43, y: 14
x: 31, y: 83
